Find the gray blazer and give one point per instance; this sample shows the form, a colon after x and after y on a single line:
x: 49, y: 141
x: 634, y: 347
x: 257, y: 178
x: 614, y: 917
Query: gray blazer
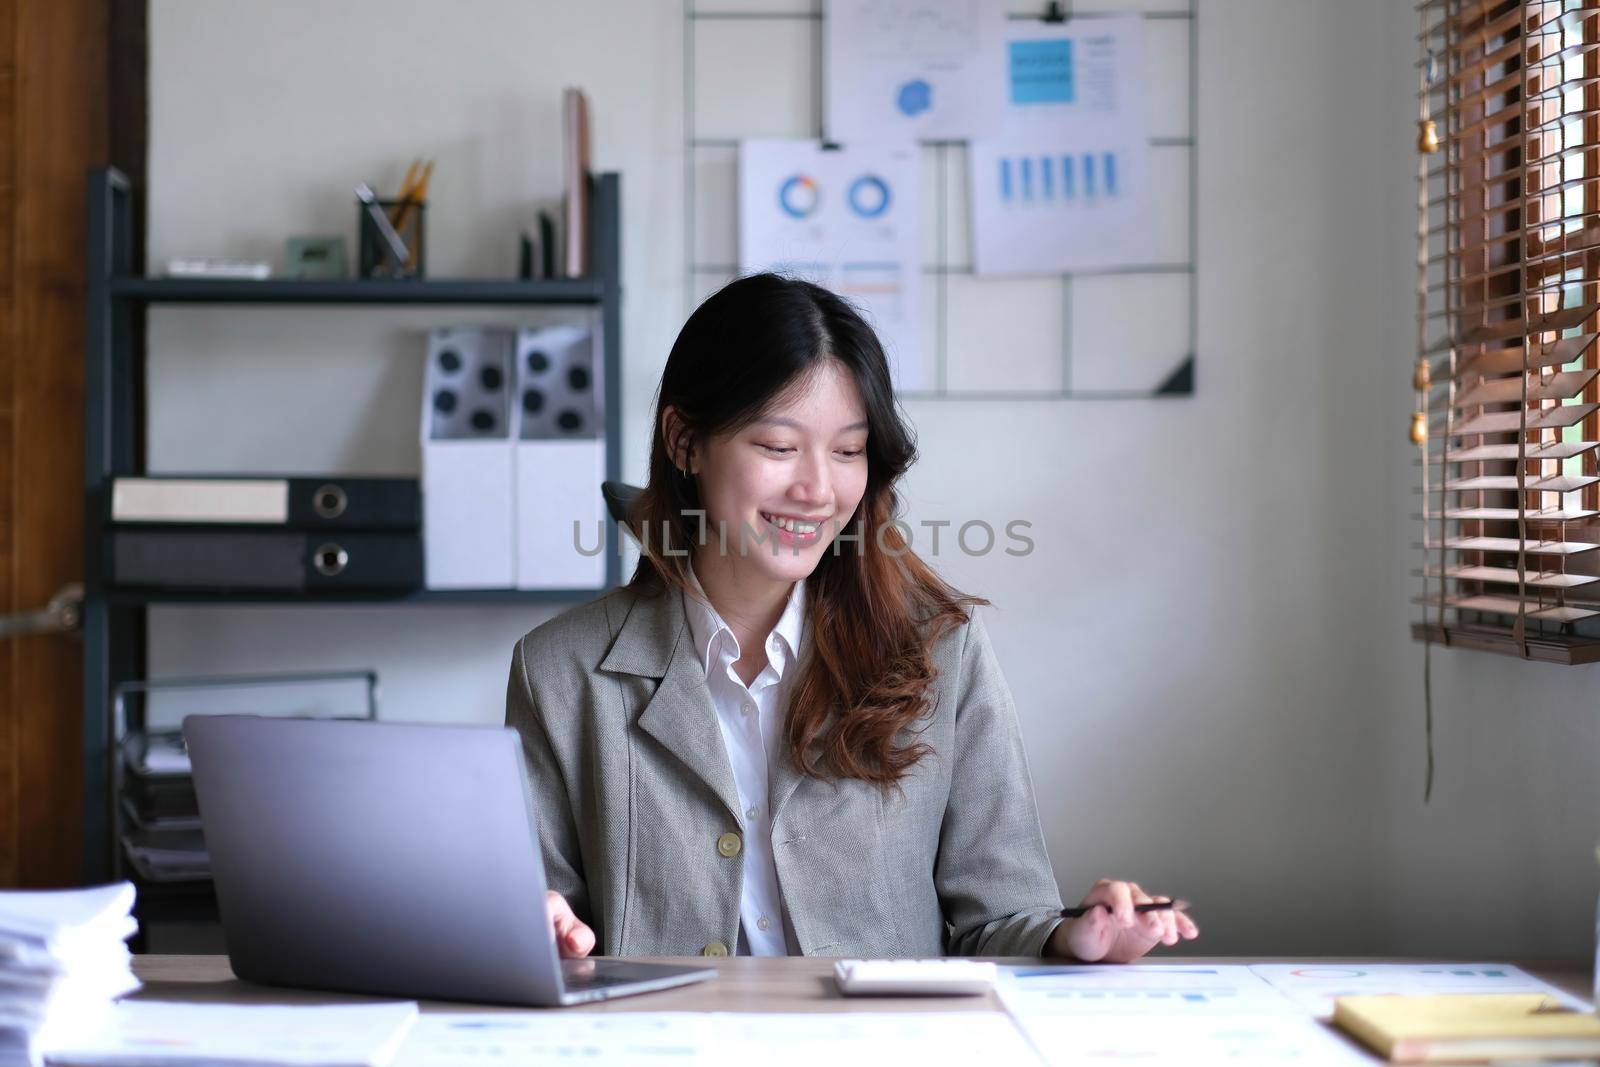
x: 635, y: 800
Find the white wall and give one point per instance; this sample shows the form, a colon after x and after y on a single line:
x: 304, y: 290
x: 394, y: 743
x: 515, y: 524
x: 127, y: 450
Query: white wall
x: 263, y: 118
x: 1208, y: 647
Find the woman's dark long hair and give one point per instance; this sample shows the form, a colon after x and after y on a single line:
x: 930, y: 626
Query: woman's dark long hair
x: 874, y: 607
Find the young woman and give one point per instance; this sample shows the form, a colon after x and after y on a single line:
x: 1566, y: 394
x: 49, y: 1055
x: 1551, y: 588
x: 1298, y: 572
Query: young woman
x: 787, y: 734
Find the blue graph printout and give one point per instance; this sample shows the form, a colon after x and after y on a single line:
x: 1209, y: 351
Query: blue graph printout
x: 1063, y: 185
x: 905, y: 70
x: 1040, y: 72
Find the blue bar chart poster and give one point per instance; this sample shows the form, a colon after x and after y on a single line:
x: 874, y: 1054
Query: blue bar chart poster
x: 844, y: 218
x: 911, y: 69
x: 1064, y: 184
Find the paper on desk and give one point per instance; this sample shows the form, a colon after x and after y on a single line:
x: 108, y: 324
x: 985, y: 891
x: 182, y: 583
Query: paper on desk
x: 1314, y: 985
x: 445, y: 1039
x: 773, y: 1040
x: 804, y: 1040
x: 1142, y: 989
x: 62, y: 963
x: 1192, y: 1014
x: 62, y: 919
x: 146, y: 1033
x: 1192, y: 1040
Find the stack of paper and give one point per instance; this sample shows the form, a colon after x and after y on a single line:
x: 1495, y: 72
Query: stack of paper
x: 157, y: 752
x: 62, y: 963
x: 161, y: 834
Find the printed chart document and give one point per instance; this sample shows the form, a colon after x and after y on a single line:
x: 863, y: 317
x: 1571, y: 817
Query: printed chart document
x: 1193, y: 1041
x: 921, y: 1038
x: 1065, y: 185
x: 1210, y: 1014
x: 900, y: 70
x: 448, y: 1039
x: 142, y: 1033
x: 1140, y: 989
x: 847, y: 220
x: 1166, y: 1013
x: 1314, y: 985
x: 731, y: 1039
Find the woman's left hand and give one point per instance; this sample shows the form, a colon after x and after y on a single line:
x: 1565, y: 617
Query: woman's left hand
x: 1113, y: 932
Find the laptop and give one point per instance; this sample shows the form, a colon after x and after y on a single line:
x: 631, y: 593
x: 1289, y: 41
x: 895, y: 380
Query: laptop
x: 387, y: 858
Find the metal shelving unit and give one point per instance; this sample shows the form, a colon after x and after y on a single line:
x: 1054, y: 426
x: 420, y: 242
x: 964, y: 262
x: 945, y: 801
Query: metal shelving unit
x: 296, y: 291
x: 114, y: 620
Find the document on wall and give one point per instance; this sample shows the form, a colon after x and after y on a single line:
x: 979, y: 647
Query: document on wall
x: 847, y: 220
x: 1314, y: 985
x: 902, y: 70
x: 735, y: 1039
x: 1065, y: 184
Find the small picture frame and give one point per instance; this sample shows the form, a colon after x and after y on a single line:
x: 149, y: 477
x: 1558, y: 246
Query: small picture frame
x: 315, y: 257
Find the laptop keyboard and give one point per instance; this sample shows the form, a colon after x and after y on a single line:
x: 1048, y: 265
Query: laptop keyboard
x: 578, y: 977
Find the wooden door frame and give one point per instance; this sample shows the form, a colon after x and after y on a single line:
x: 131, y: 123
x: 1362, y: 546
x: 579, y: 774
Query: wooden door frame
x: 73, y: 95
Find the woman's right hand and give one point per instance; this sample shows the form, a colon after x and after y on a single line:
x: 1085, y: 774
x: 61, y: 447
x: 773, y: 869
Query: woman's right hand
x: 573, y: 938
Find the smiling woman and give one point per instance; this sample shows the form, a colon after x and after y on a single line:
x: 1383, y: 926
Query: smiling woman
x: 787, y: 734
x: 779, y: 450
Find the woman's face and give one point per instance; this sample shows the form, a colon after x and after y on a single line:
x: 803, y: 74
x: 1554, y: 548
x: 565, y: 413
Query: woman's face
x: 783, y: 487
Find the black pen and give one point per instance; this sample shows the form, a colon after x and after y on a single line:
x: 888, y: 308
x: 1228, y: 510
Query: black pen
x: 1165, y: 905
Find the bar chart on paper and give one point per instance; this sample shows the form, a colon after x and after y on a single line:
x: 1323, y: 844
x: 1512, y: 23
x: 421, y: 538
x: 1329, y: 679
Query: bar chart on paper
x: 1059, y: 182
x: 773, y: 1040
x: 1189, y: 1014
x: 1194, y: 1041
x: 1142, y: 989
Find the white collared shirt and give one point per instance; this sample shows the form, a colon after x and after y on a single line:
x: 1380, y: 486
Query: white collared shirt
x: 751, y: 718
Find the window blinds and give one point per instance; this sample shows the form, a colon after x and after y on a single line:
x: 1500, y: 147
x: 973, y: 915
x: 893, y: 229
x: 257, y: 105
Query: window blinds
x: 1508, y: 310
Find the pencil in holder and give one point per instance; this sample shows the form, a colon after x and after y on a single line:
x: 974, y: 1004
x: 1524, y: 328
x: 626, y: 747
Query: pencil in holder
x: 393, y: 243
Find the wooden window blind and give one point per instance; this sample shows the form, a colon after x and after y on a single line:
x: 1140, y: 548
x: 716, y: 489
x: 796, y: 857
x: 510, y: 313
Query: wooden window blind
x: 1508, y: 311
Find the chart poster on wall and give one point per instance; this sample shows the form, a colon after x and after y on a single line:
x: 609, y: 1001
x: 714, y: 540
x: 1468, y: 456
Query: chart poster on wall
x: 903, y: 70
x: 1065, y: 185
x: 844, y: 218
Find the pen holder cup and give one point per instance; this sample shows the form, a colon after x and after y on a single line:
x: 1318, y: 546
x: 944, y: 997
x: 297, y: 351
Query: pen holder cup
x: 393, y: 246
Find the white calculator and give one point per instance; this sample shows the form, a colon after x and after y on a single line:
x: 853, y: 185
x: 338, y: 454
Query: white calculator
x: 913, y: 978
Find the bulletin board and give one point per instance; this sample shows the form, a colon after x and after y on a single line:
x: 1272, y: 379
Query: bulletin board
x: 755, y: 70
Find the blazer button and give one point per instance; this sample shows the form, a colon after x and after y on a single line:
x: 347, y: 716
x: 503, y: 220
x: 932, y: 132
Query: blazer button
x: 715, y: 948
x: 729, y: 845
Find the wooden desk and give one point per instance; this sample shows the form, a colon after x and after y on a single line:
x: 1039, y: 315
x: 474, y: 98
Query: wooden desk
x: 798, y: 984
